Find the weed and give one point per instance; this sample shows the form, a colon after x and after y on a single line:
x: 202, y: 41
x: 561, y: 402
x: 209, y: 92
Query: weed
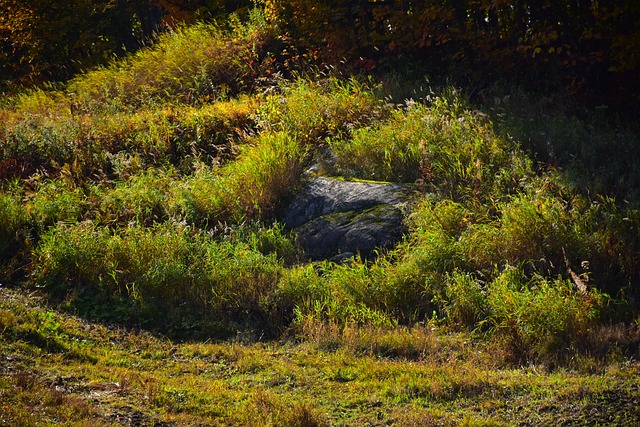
x: 13, y: 220
x: 249, y: 188
x: 540, y: 319
x: 391, y: 152
x: 466, y: 300
x: 166, y: 277
x: 143, y: 199
x: 451, y: 149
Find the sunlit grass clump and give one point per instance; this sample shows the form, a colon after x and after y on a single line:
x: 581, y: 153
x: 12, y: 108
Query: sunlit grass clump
x: 445, y: 145
x: 314, y: 111
x: 115, y: 145
x: 193, y: 64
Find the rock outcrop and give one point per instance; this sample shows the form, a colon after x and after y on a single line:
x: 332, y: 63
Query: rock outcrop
x: 336, y: 219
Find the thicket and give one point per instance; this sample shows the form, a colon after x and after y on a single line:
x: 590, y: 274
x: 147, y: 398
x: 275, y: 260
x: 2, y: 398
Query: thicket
x: 146, y: 193
x: 589, y: 50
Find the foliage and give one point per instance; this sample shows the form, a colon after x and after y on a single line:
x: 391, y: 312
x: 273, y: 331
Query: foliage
x: 314, y: 111
x: 542, y: 317
x: 43, y: 40
x: 585, y: 47
x: 119, y: 144
x: 13, y: 219
x: 446, y: 146
x: 146, y: 195
x: 249, y: 188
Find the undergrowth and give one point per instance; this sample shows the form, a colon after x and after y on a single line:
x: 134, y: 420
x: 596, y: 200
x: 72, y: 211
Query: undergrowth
x: 146, y: 193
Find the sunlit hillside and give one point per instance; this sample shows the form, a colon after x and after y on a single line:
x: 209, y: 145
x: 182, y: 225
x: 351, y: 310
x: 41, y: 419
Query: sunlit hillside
x: 148, y: 277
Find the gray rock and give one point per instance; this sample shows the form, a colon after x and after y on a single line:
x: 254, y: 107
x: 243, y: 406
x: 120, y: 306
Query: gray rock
x: 336, y: 219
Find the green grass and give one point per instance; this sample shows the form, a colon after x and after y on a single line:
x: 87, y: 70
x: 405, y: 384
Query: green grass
x: 88, y: 374
x: 145, y: 195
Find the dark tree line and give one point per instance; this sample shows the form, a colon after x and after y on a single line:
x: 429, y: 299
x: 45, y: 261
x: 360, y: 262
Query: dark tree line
x: 587, y: 46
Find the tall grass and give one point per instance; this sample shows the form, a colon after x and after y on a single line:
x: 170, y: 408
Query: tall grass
x: 249, y: 188
x: 98, y: 144
x: 145, y: 193
x: 13, y: 220
x: 168, y: 277
x: 541, y: 318
x: 145, y: 199
x: 446, y: 146
x: 314, y: 111
x: 195, y: 64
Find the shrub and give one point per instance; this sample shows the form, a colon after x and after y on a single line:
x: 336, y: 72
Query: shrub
x: 436, y: 228
x: 52, y: 202
x: 541, y: 318
x: 466, y: 300
x: 13, y: 220
x: 36, y: 142
x: 27, y: 213
x: 145, y: 199
x: 536, y: 230
x: 176, y: 134
x: 451, y: 149
x: 389, y: 152
x: 250, y: 187
x: 268, y: 240
x: 96, y: 144
x: 377, y: 294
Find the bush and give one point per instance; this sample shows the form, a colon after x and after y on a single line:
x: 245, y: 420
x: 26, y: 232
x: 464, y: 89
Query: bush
x: 176, y: 134
x: 250, y: 187
x: 52, y: 202
x: 26, y: 213
x: 450, y: 149
x: 144, y: 199
x: 167, y: 277
x: 37, y: 142
x: 390, y: 152
x: 378, y: 294
x: 466, y: 300
x: 13, y: 220
x: 541, y: 318
x: 98, y: 144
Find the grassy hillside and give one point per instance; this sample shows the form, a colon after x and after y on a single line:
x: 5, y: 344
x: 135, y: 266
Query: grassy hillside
x: 145, y: 195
